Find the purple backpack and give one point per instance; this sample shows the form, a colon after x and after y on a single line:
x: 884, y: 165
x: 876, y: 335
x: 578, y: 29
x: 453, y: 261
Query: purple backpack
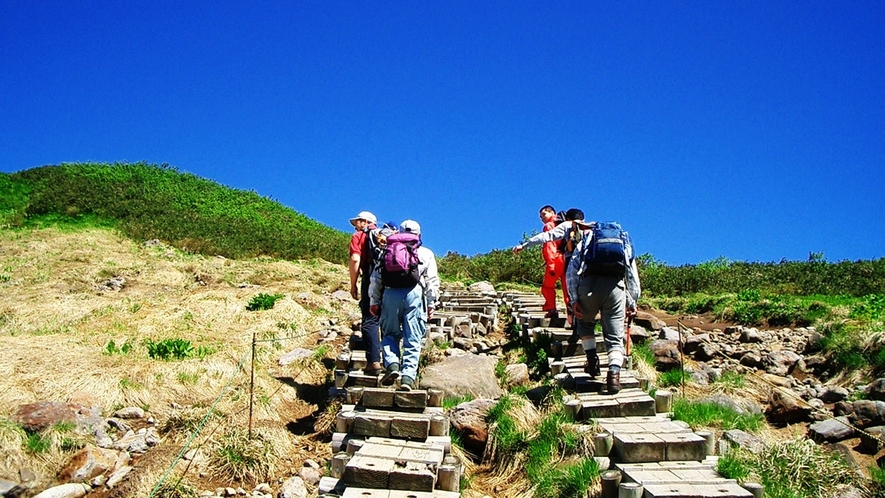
x: 399, y: 263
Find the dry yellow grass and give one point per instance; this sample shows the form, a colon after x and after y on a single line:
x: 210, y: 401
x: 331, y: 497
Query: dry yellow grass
x: 56, y: 322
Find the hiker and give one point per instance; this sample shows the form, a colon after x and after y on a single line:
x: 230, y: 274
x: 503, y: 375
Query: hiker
x: 556, y: 251
x: 602, y: 278
x: 361, y: 263
x: 565, y: 238
x: 404, y: 289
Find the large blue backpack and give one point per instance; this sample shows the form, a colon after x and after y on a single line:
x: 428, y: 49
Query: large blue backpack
x: 606, y: 255
x: 399, y: 263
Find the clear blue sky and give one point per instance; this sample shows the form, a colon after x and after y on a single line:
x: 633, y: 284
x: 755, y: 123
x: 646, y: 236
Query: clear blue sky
x: 749, y: 130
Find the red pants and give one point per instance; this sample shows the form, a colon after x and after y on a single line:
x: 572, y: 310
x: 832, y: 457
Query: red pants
x: 555, y: 271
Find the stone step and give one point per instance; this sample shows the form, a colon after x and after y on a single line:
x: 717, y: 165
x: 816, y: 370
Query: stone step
x: 361, y: 421
x: 627, y: 403
x: 653, y: 439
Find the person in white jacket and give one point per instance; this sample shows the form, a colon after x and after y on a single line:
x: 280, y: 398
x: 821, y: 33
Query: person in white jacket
x: 404, y: 312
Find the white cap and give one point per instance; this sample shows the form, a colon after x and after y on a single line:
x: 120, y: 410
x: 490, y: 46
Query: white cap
x: 364, y: 215
x: 411, y: 226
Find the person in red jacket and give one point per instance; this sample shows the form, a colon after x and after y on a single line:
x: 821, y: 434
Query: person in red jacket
x: 554, y: 262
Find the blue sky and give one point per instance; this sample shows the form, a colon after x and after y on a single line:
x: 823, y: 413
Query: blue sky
x: 753, y: 131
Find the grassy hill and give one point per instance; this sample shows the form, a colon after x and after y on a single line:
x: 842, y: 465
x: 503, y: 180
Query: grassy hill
x: 157, y: 202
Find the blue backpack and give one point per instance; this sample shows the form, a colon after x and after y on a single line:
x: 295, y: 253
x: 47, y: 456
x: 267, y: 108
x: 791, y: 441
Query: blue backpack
x: 606, y: 255
x: 399, y: 264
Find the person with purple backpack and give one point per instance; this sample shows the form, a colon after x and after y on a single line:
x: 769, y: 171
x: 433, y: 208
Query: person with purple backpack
x: 403, y: 291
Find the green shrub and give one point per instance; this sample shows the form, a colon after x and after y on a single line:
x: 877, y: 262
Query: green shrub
x: 263, y: 301
x: 157, y: 202
x: 702, y: 414
x: 673, y: 378
x: 168, y: 349
x: 235, y: 457
x: 112, y: 349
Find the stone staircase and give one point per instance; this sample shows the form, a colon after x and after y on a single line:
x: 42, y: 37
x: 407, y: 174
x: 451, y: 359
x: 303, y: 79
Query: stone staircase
x: 395, y: 444
x: 651, y: 456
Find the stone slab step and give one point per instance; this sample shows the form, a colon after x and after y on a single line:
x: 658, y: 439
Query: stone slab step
x: 684, y: 490
x: 630, y: 402
x: 362, y: 421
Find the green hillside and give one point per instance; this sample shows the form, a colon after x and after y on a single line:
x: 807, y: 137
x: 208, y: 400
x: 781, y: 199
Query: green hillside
x: 147, y: 201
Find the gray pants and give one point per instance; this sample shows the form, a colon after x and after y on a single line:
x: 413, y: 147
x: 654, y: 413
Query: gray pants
x: 606, y: 296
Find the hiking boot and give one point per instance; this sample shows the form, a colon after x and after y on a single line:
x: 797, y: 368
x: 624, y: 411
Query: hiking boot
x: 592, y: 366
x: 551, y: 314
x: 613, y: 382
x: 407, y: 384
x: 391, y: 375
x: 373, y: 369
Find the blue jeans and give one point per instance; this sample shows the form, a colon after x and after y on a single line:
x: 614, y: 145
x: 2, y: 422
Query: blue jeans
x: 606, y: 296
x: 403, y: 318
x: 369, y: 326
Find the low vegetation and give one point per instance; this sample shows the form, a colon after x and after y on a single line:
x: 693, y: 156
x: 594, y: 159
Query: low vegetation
x: 796, y: 468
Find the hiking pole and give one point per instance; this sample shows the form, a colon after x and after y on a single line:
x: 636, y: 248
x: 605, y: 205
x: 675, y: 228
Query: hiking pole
x: 681, y: 355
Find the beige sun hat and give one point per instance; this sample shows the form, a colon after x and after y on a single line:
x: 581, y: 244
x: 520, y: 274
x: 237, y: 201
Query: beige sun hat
x: 364, y: 215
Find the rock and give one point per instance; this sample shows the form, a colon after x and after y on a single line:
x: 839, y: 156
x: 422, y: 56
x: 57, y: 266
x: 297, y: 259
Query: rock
x: 743, y: 440
x: 9, y: 489
x: 638, y: 334
x: 780, y: 362
x: 70, y: 490
x: 750, y: 336
x: 706, y: 352
x: 310, y: 475
x: 482, y: 287
x: 132, y: 412
x: 751, y: 359
x: 666, y: 353
x: 776, y: 380
x: 44, y: 414
x: 831, y: 431
x: 740, y: 406
x: 341, y: 295
x: 516, y: 375
x: 293, y: 488
x: 469, y: 419
x: 784, y: 407
x: 88, y: 463
x: 118, y: 476
x: 834, y: 394
x: 876, y: 390
x: 867, y: 413
x: 648, y: 321
x: 669, y: 334
x: 463, y: 375
x: 264, y: 488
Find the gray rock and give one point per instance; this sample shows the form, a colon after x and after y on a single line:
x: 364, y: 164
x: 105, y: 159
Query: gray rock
x: 831, y: 431
x: 867, y: 413
x: 482, y: 287
x: 310, y: 475
x: 750, y: 336
x: 743, y: 440
x: 129, y: 413
x: 69, y: 490
x: 517, y: 374
x: 293, y: 488
x: 876, y: 390
x: 468, y: 374
x: 666, y: 353
x: 669, y: 334
x: 752, y: 359
x: 705, y: 352
x: 834, y: 394
x: 87, y: 463
x: 780, y: 362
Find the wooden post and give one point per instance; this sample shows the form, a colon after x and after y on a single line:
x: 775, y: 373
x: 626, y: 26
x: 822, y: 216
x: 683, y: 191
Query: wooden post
x: 434, y: 397
x: 663, y: 401
x: 339, y: 462
x: 602, y: 444
x: 252, y: 384
x: 630, y: 490
x: 755, y: 489
x: 611, y: 479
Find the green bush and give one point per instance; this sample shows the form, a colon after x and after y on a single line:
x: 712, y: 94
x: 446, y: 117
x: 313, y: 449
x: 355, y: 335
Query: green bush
x: 168, y: 349
x: 702, y: 414
x: 157, y: 202
x: 263, y: 301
